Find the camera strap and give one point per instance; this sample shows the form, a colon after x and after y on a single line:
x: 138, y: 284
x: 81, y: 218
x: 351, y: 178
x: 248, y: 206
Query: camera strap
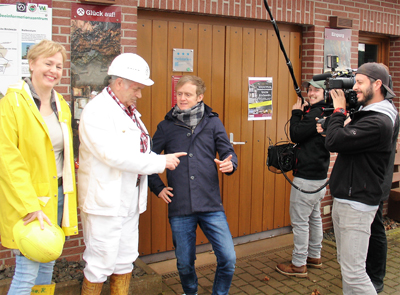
x: 304, y: 191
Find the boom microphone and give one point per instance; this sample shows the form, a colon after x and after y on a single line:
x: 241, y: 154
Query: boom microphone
x: 323, y: 76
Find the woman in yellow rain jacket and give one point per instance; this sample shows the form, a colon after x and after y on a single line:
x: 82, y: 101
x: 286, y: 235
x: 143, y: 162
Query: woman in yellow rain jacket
x: 37, y: 177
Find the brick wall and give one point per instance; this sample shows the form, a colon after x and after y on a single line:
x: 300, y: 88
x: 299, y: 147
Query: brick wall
x: 373, y: 16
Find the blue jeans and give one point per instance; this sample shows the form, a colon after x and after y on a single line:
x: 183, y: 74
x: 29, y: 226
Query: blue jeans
x: 305, y: 216
x: 215, y: 227
x: 29, y: 273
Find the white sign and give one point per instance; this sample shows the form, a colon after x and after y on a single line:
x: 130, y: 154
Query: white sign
x: 22, y: 25
x: 182, y: 60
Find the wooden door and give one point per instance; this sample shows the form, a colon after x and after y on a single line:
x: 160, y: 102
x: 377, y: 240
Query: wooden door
x: 226, y: 53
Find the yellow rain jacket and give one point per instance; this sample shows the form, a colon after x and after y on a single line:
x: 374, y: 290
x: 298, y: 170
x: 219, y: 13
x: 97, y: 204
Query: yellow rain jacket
x: 28, y: 172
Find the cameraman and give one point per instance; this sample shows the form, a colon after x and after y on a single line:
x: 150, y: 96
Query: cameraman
x: 310, y: 174
x: 364, y: 146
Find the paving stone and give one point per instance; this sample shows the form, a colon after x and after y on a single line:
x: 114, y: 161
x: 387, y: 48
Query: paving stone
x: 285, y: 289
x: 235, y: 278
x: 388, y: 290
x: 177, y: 288
x: 396, y: 279
x: 171, y: 281
x: 275, y: 284
x: 391, y: 283
x: 316, y: 271
x: 249, y: 289
x: 306, y: 283
x: 252, y: 270
x: 293, y: 281
x: 165, y: 288
x: 205, y: 282
x: 320, y: 289
x: 242, y: 264
x: 239, y: 270
x: 204, y: 291
x: 277, y: 276
x: 302, y: 289
x: 261, y: 277
x: 234, y: 290
x: 326, y: 276
x: 334, y: 272
x: 247, y: 277
x: 268, y: 270
x: 269, y: 290
x: 257, y: 283
x: 332, y: 264
x: 257, y: 264
x: 239, y: 283
x: 210, y: 277
x: 335, y: 289
x: 169, y: 292
x: 294, y: 293
x: 205, y: 272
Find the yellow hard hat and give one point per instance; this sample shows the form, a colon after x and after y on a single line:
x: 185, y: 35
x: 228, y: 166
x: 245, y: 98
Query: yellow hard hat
x: 37, y: 244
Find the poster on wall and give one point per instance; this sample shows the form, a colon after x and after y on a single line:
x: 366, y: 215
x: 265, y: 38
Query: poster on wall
x: 337, y: 43
x: 95, y: 42
x: 22, y: 24
x: 260, y: 98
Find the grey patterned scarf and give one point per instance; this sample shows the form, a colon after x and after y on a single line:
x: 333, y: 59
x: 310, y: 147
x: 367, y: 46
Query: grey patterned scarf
x: 190, y: 117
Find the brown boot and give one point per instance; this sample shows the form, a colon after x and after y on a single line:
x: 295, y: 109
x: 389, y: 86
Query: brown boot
x: 292, y: 270
x: 89, y: 288
x: 119, y: 284
x: 314, y: 262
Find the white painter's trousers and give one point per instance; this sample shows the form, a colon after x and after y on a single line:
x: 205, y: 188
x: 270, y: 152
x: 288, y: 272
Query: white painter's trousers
x: 111, y: 244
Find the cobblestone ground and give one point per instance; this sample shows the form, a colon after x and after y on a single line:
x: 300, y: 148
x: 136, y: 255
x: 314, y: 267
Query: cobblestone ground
x: 256, y: 274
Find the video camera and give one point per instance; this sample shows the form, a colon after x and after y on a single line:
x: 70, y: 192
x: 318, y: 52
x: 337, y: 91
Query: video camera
x: 339, y: 80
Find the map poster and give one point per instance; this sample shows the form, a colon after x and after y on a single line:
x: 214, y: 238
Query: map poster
x: 260, y: 98
x: 22, y: 24
x: 95, y: 42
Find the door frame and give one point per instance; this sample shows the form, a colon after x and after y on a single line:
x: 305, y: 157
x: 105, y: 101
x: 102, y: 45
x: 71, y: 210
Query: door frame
x: 383, y: 43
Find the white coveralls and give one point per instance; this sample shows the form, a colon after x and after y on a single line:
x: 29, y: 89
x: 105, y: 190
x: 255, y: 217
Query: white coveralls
x: 110, y: 202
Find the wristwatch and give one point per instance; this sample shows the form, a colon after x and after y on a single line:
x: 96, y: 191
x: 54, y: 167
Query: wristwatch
x: 340, y: 110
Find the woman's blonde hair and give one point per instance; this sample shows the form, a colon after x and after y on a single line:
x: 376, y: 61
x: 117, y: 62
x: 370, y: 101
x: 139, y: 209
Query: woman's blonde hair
x: 46, y: 48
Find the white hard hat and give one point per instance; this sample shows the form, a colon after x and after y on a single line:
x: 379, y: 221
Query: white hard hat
x: 132, y: 67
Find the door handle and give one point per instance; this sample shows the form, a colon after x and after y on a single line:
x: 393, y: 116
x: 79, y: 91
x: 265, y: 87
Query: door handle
x: 231, y: 140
